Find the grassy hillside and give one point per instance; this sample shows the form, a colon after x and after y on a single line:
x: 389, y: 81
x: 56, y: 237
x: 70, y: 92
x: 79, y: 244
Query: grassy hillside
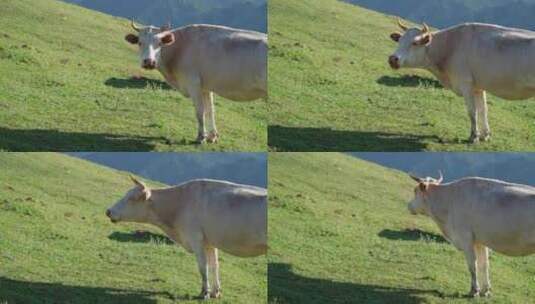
x: 70, y: 82
x: 57, y: 246
x: 331, y: 89
x: 340, y: 232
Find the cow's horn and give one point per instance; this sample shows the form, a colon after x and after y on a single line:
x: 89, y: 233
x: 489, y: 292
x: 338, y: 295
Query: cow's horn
x: 441, y: 178
x: 416, y: 178
x: 134, y: 26
x: 402, y: 26
x: 425, y: 28
x: 135, y: 180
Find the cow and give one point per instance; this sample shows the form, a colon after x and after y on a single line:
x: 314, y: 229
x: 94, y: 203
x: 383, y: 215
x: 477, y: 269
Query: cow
x: 471, y: 59
x: 199, y: 60
x: 203, y: 216
x: 475, y: 214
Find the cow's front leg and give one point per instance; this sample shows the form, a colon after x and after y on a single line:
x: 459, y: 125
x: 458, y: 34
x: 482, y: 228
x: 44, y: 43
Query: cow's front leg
x: 213, y: 263
x: 471, y: 260
x: 481, y: 105
x: 202, y: 263
x: 470, y: 102
x: 197, y: 98
x: 482, y: 256
x: 208, y: 99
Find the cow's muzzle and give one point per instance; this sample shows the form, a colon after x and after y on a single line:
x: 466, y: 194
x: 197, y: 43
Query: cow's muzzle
x: 393, y: 61
x: 149, y: 64
x: 108, y: 214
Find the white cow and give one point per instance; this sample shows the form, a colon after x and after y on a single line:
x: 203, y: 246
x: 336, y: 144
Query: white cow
x: 199, y: 60
x: 202, y: 216
x: 475, y: 214
x: 470, y: 59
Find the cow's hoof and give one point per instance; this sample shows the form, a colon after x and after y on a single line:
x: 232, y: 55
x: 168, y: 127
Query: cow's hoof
x: 474, y: 293
x: 215, y: 294
x: 213, y: 137
x: 204, y: 295
x: 473, y: 139
x: 201, y: 139
x: 486, y: 293
x: 484, y: 137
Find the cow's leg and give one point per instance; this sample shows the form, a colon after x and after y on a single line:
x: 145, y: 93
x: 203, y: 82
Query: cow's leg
x: 471, y: 260
x: 208, y: 99
x: 481, y: 105
x: 483, y: 267
x: 202, y: 263
x: 196, y: 95
x: 470, y: 101
x: 213, y: 263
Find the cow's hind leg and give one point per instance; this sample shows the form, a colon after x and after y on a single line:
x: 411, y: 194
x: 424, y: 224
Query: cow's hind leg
x: 481, y: 106
x: 208, y: 99
x: 213, y: 263
x: 482, y: 256
x: 470, y: 101
x: 471, y: 260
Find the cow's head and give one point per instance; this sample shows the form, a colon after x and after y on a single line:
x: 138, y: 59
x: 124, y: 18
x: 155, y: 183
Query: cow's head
x: 412, y: 43
x: 420, y: 204
x: 133, y: 207
x: 150, y: 40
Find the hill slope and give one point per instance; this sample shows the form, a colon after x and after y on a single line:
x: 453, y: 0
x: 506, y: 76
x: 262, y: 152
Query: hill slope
x: 66, y: 85
x: 332, y: 89
x: 340, y: 232
x: 57, y: 246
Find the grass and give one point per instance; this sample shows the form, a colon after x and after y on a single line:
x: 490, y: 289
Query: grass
x: 331, y: 89
x: 70, y: 82
x: 340, y: 232
x: 57, y: 246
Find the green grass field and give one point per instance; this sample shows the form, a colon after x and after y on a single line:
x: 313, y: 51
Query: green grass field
x: 331, y: 89
x: 57, y: 246
x: 69, y: 82
x: 340, y: 232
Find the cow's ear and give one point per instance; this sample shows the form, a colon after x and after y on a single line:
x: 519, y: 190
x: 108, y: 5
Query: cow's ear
x: 424, y: 39
x: 132, y: 38
x: 423, y: 187
x: 168, y: 39
x: 395, y: 36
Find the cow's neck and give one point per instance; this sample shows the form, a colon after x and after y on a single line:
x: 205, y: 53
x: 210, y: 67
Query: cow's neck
x: 439, y: 209
x: 436, y: 58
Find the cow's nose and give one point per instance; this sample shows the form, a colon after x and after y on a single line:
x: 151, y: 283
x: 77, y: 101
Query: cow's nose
x: 149, y: 63
x: 393, y: 61
x: 108, y: 213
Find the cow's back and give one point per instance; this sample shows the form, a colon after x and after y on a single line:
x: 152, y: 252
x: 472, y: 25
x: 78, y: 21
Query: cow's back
x: 233, y: 217
x: 231, y: 62
x: 494, y: 58
x: 500, y: 215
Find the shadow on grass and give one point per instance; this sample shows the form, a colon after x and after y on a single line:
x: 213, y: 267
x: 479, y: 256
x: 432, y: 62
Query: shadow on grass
x: 285, y: 286
x: 15, y: 291
x: 283, y: 138
x: 140, y: 237
x: 60, y: 141
x: 408, y: 81
x: 412, y: 235
x: 137, y: 83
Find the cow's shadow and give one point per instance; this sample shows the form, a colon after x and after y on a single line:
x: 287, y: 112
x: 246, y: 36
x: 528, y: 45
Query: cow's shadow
x: 140, y: 237
x: 411, y: 235
x: 18, y: 291
x: 282, y: 138
x: 136, y: 83
x: 61, y: 141
x: 408, y: 81
x: 285, y: 286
